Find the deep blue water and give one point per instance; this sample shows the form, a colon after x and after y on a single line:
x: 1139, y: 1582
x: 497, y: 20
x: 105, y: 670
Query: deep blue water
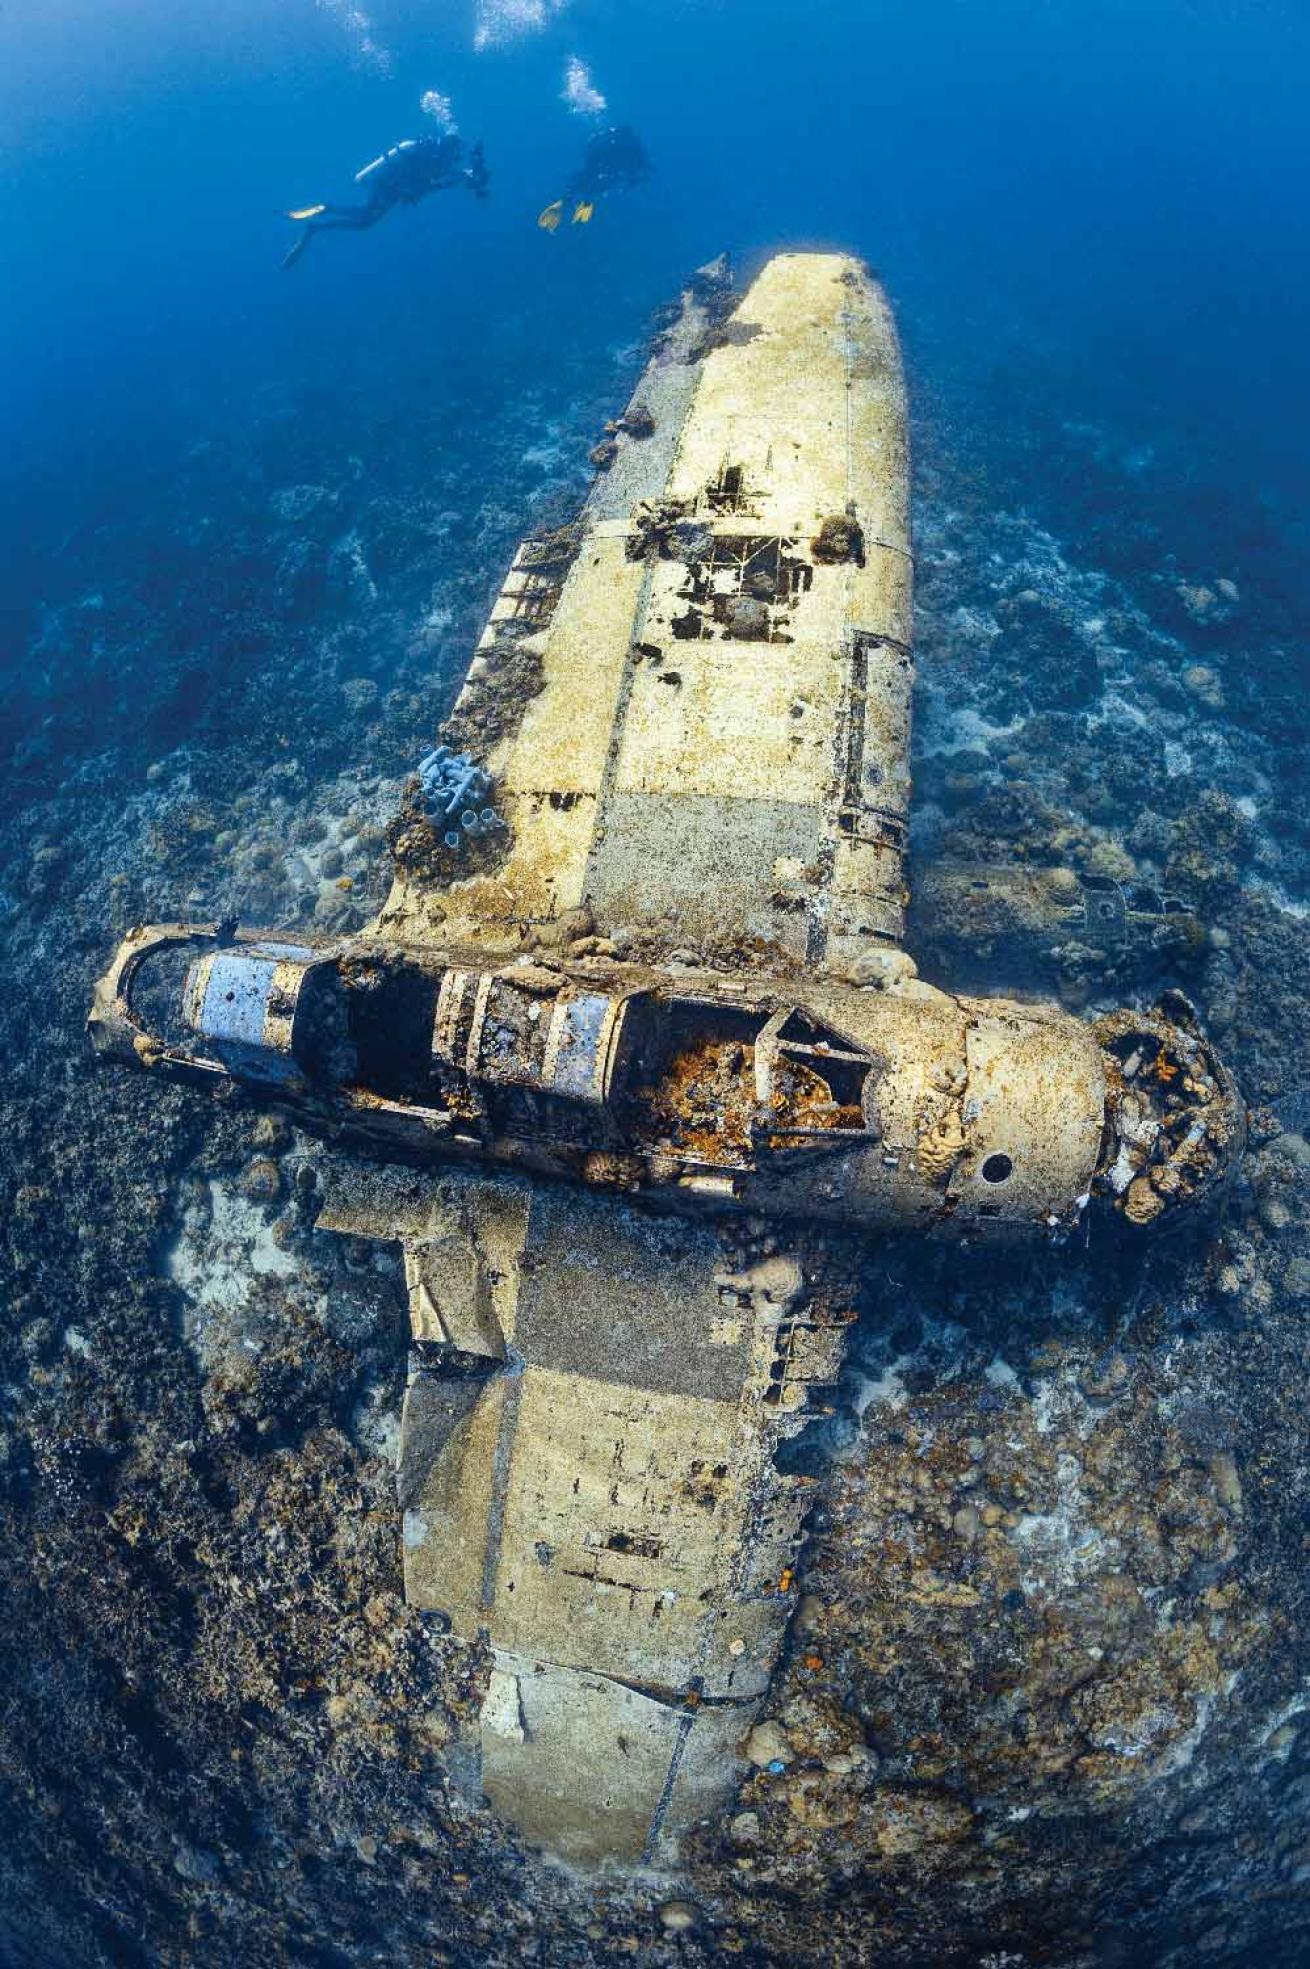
x: 1105, y: 198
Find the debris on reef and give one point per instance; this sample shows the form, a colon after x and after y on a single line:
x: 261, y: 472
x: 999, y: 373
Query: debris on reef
x: 457, y: 790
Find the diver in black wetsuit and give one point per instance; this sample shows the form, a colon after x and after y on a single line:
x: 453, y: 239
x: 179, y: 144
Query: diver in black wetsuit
x: 614, y: 160
x: 401, y: 176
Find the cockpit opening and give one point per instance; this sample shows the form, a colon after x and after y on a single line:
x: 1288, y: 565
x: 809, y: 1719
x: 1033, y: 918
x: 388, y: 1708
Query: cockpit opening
x: 391, y: 1004
x: 724, y: 1084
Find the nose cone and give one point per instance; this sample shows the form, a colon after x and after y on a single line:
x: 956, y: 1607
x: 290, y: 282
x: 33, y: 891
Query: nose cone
x: 1175, y: 1125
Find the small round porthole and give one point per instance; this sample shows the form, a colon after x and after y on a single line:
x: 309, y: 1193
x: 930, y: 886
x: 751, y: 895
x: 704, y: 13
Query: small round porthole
x: 997, y: 1169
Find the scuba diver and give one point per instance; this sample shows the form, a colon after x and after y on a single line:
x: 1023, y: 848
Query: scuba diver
x: 614, y: 160
x: 401, y: 176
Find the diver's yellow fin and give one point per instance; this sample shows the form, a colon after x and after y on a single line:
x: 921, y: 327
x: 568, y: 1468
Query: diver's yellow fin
x: 550, y: 218
x: 582, y: 214
x: 307, y: 212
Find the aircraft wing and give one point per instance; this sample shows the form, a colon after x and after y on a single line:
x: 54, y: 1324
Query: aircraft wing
x: 695, y: 704
x: 588, y: 1479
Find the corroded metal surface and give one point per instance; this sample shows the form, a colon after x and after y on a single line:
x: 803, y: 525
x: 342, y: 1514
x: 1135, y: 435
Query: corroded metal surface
x: 1039, y: 918
x: 717, y: 746
x: 639, y: 1072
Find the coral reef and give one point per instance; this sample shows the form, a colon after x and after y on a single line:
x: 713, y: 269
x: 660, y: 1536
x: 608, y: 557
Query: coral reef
x: 1045, y: 1698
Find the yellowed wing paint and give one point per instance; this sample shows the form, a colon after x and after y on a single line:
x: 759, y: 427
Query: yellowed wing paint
x: 718, y: 743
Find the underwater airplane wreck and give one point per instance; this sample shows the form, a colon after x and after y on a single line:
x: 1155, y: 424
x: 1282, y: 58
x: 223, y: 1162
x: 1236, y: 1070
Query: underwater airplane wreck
x: 636, y: 1062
